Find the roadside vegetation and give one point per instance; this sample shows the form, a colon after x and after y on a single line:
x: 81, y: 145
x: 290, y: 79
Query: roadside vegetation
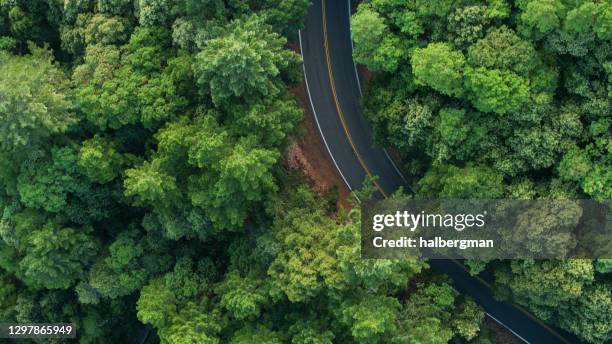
x: 501, y: 99
x: 141, y: 183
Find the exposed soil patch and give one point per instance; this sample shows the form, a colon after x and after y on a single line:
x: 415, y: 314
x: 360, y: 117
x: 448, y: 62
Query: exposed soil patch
x: 308, y: 154
x: 295, y: 46
x: 364, y: 73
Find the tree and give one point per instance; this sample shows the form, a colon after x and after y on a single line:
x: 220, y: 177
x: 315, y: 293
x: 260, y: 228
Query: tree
x: 178, y: 322
x: 306, y: 261
x: 496, y: 90
x: 245, y: 63
x: 468, y: 24
x: 116, y: 89
x: 440, y: 67
x: 255, y: 334
x: 310, y: 332
x: 46, y: 183
x: 415, y: 125
x: 117, y: 7
x: 242, y: 297
x: 448, y: 181
x: 130, y: 261
x: 176, y: 305
x: 150, y: 185
x: 156, y: 304
x: 461, y: 135
x: 409, y: 22
x: 99, y: 160
x: 270, y: 121
x: 434, y: 9
x: 28, y: 21
x: 153, y: 12
x: 375, y: 45
x: 505, y: 50
x: 201, y: 172
x: 535, y: 147
x: 543, y: 229
x: 547, y: 286
x: 598, y: 182
x: 56, y: 257
x: 35, y: 103
x: 241, y: 178
x: 105, y: 30
x: 377, y: 275
x: 575, y: 165
x: 426, y: 314
x: 8, y: 296
x: 371, y: 318
x: 590, y: 316
x: 193, y: 324
x: 286, y: 16
x: 539, y: 17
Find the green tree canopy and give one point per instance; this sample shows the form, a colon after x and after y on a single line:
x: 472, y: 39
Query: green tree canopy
x: 245, y: 63
x: 35, y: 100
x: 440, y: 67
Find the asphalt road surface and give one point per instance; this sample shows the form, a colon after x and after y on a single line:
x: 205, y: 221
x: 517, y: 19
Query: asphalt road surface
x: 334, y: 91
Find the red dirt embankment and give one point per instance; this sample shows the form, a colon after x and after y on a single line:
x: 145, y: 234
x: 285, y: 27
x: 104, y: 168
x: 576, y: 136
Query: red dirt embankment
x: 309, y: 155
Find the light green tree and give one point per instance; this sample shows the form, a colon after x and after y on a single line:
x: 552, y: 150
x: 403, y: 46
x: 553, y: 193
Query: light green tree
x: 34, y: 100
x: 55, y: 257
x: 495, y: 90
x: 440, y: 67
x: 448, y: 181
x: 245, y: 63
x: 375, y: 45
x: 99, y: 160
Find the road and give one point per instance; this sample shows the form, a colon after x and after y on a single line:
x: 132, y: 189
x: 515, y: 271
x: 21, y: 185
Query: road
x: 334, y: 91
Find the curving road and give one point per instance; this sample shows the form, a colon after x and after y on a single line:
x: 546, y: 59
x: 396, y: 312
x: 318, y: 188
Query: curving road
x: 333, y: 88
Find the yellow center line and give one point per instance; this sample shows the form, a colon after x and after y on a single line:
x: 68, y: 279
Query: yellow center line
x: 365, y: 167
x: 335, y: 96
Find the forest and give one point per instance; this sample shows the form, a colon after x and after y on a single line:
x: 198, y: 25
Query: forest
x: 142, y: 182
x: 501, y: 99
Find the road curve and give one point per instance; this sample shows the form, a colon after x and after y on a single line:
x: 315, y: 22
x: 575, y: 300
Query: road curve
x: 334, y: 94
x: 334, y: 91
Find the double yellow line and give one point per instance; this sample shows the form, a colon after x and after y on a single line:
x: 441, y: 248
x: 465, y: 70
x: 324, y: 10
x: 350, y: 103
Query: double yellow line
x: 337, y: 102
x: 365, y: 167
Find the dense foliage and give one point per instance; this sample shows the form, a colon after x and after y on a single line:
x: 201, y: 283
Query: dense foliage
x: 501, y: 98
x: 141, y: 184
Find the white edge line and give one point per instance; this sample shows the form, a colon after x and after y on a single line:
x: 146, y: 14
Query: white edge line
x: 361, y: 94
x: 387, y: 154
x: 394, y: 166
x: 317, y: 119
x: 352, y: 49
x: 507, y: 328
